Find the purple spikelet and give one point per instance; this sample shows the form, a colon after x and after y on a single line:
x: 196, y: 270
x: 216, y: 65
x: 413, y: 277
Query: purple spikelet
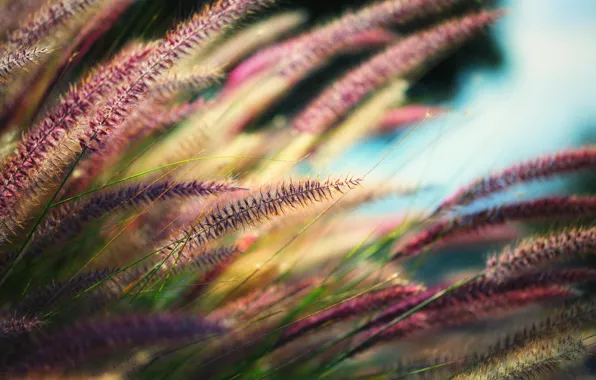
x: 544, y: 208
x: 51, y: 295
x: 540, y: 168
x: 402, y: 58
x: 42, y: 175
x: 76, y: 345
x: 539, y: 252
x: 356, y: 306
x: 219, y: 261
x: 483, y: 289
x: 14, y: 11
x: 46, y: 19
x: 321, y: 43
x: 457, y: 315
x: 258, y: 207
x: 13, y: 326
x: 69, y: 220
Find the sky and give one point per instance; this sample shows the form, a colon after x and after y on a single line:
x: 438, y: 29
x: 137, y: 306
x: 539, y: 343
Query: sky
x: 543, y: 98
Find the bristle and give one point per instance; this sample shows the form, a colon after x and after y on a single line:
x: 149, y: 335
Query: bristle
x: 11, y: 327
x: 44, y: 176
x: 482, y: 290
x: 20, y: 59
x: 549, y: 208
x: 48, y: 147
x: 545, y: 167
x: 402, y: 58
x: 474, y: 309
x: 259, y: 207
x: 47, y: 18
x: 207, y: 261
x: 535, y: 360
x: 357, y: 306
x: 69, y: 220
x: 51, y: 295
x: 113, y: 222
x: 539, y: 252
x: 357, y: 198
x: 14, y: 11
x: 76, y: 345
x: 320, y: 44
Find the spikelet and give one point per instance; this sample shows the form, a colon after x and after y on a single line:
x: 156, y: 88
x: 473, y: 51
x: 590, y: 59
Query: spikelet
x: 45, y: 175
x: 47, y: 148
x: 149, y: 118
x: 568, y: 319
x: 12, y: 12
x: 200, y: 261
x: 484, y: 291
x: 539, y: 252
x: 81, y: 343
x: 47, y: 18
x: 357, y: 198
x: 472, y: 310
x: 566, y: 161
x: 535, y: 360
x: 216, y: 263
x: 357, y: 306
x: 549, y: 208
x: 320, y: 44
x: 361, y: 121
x: 244, y: 99
x: 207, y: 261
x: 283, y: 315
x: 257, y: 208
x: 402, y: 58
x: 249, y: 39
x: 172, y: 48
x: 69, y: 220
x: 20, y: 59
x: 478, y: 307
x: 51, y: 295
x: 13, y: 326
x: 43, y: 79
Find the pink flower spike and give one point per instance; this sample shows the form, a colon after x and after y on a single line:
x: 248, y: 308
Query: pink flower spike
x: 536, y: 253
x: 402, y: 58
x: 269, y: 58
x: 550, y: 208
x: 353, y: 307
x: 47, y: 18
x: 336, y: 36
x: 544, y: 167
x: 481, y: 309
x: 490, y: 234
x: 482, y: 290
x: 85, y: 341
